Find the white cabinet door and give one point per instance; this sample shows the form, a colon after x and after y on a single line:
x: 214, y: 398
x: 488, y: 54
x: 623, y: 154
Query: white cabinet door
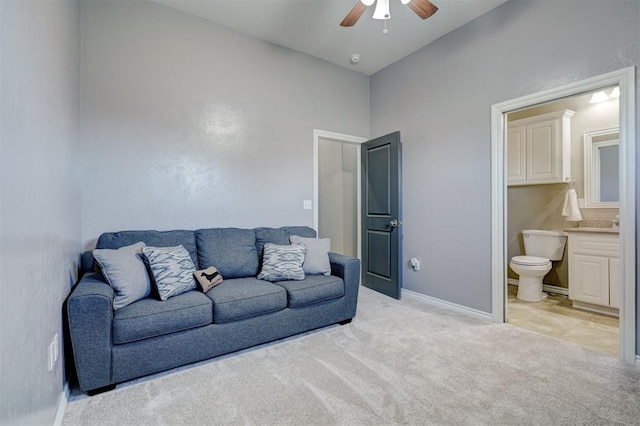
x: 614, y: 283
x: 544, y: 152
x: 516, y: 168
x: 589, y: 279
x: 539, y: 149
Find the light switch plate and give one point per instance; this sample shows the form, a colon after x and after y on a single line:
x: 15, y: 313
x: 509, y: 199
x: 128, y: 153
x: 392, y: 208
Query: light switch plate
x: 306, y: 204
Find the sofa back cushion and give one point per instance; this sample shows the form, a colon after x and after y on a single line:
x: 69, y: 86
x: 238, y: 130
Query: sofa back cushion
x: 115, y: 240
x: 231, y: 250
x: 280, y: 236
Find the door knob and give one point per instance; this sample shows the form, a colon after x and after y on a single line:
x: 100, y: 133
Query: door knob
x: 393, y: 223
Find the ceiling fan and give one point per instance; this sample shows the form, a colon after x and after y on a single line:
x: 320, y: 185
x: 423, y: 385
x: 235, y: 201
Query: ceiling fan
x: 422, y: 8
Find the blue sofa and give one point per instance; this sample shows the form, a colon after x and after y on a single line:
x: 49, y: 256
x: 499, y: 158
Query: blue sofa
x: 150, y: 335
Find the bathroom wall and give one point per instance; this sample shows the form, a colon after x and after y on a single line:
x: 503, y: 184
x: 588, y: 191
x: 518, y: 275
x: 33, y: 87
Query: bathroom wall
x: 337, y: 195
x: 39, y: 200
x: 540, y: 206
x: 187, y: 124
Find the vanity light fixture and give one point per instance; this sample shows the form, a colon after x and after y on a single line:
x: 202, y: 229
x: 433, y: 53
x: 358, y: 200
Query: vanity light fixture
x: 615, y: 93
x: 598, y: 97
x: 601, y: 96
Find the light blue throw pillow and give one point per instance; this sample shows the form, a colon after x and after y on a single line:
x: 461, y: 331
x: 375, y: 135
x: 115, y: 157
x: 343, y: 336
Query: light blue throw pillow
x: 316, y: 260
x: 172, y: 270
x: 125, y: 272
x: 282, y: 263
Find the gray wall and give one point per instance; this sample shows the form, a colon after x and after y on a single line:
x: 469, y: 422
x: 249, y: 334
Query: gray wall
x: 39, y: 198
x: 440, y: 99
x: 187, y: 124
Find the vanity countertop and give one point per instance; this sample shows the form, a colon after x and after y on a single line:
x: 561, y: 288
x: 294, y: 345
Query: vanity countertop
x: 592, y: 230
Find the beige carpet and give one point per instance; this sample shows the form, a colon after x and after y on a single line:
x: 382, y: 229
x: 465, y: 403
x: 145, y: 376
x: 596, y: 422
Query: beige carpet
x: 398, y: 362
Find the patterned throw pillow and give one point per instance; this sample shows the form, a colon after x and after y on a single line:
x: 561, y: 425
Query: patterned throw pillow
x: 316, y: 260
x: 208, y: 278
x: 280, y: 263
x: 172, y: 270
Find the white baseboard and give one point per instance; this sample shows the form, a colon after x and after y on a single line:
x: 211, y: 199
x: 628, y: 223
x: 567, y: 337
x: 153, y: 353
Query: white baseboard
x: 62, y: 404
x: 546, y: 287
x: 605, y: 310
x: 448, y: 305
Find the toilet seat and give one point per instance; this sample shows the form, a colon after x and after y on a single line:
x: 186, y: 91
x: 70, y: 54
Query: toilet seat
x: 530, y: 261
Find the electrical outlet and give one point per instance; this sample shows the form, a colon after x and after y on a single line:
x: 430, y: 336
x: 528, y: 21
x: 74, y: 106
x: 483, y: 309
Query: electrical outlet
x: 54, y: 352
x: 415, y: 264
x: 56, y: 348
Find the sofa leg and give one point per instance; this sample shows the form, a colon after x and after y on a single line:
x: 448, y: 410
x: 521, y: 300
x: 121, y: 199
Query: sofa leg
x: 103, y: 389
x: 345, y: 322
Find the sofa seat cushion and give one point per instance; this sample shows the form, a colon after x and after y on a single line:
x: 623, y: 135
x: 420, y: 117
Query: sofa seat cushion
x: 242, y: 298
x: 313, y: 289
x: 151, y: 317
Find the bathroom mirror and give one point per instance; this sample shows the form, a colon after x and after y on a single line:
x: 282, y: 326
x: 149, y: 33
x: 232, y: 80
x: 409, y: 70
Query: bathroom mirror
x: 601, y: 169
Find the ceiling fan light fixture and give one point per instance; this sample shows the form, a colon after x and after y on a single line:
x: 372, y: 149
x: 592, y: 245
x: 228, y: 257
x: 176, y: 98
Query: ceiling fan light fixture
x: 367, y: 2
x: 382, y: 10
x: 405, y: 1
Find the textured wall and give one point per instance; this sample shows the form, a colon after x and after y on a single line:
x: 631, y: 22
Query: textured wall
x: 40, y: 198
x: 440, y: 99
x: 187, y: 124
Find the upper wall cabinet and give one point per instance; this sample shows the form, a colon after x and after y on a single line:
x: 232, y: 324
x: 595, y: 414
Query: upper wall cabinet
x: 539, y: 149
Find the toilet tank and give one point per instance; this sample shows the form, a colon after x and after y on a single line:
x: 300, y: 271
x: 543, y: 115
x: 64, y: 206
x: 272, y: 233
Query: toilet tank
x: 549, y: 244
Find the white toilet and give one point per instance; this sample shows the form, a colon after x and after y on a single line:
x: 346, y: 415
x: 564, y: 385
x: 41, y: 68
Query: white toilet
x: 540, y: 247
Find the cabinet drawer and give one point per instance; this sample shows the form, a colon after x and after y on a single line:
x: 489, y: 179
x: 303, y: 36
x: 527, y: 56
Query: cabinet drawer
x: 597, y: 245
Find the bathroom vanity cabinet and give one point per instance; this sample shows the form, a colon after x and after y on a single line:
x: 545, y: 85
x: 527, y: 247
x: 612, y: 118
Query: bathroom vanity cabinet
x: 594, y: 271
x: 539, y: 149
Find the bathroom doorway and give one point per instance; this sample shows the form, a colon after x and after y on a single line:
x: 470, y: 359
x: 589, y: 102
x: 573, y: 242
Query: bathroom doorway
x: 539, y: 206
x: 506, y: 227
x: 337, y: 177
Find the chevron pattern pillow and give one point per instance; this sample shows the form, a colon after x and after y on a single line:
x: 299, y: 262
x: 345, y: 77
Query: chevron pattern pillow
x: 172, y: 270
x: 282, y: 263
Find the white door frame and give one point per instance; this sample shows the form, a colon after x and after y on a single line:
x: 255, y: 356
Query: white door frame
x: 625, y: 78
x: 337, y: 137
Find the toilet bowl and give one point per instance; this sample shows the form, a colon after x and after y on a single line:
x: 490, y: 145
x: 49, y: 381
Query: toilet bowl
x: 540, y: 247
x: 531, y: 270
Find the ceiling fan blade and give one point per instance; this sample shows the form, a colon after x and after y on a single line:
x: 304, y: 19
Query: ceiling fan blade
x: 422, y: 8
x: 353, y: 16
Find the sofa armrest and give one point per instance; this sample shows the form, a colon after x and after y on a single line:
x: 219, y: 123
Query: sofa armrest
x: 90, y: 313
x: 347, y: 268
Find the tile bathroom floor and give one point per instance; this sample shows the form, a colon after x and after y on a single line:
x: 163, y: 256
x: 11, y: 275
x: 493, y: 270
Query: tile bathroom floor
x: 554, y: 316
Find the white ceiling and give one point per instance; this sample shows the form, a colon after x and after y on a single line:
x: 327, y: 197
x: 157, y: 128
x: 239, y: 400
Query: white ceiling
x: 312, y: 26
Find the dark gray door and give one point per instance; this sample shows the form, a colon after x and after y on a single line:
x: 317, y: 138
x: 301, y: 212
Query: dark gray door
x: 382, y: 214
